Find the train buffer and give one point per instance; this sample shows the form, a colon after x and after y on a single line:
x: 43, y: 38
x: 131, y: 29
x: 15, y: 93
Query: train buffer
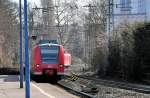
x: 9, y: 88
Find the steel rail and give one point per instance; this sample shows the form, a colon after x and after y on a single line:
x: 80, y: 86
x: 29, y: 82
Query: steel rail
x: 78, y: 93
x: 123, y: 85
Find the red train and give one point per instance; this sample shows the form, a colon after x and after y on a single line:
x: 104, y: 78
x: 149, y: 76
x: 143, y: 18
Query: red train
x: 49, y: 60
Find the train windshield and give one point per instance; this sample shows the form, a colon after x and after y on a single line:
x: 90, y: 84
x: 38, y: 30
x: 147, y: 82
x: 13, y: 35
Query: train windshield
x: 49, y: 54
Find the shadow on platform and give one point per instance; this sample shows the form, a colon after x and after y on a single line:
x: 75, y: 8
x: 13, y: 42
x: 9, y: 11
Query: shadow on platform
x: 11, y: 78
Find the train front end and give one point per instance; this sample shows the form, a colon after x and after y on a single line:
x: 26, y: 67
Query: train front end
x: 48, y: 60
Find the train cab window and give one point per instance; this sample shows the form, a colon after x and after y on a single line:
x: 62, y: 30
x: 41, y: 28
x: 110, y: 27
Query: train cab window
x: 49, y: 54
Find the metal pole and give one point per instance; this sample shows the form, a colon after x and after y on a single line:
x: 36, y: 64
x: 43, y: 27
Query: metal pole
x: 21, y: 64
x: 27, y: 73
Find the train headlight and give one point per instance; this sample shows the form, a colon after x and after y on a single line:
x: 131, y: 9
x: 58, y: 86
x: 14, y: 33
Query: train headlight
x: 37, y: 65
x: 61, y: 65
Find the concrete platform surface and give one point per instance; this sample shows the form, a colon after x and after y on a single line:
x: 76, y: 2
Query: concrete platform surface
x: 9, y: 88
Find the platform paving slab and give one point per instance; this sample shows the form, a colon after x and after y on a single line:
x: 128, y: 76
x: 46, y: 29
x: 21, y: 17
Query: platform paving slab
x: 9, y: 88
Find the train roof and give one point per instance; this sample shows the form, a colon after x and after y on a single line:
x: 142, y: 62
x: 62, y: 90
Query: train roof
x: 48, y: 44
x: 48, y: 41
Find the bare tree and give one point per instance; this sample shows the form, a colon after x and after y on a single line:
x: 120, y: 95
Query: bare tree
x: 9, y: 32
x: 95, y: 35
x: 65, y: 11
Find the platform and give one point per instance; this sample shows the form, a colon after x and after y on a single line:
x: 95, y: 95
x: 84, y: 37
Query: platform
x: 9, y: 88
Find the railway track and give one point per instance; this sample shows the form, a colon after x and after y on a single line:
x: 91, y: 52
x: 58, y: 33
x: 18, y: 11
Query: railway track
x: 78, y: 93
x: 117, y: 84
x: 9, y: 71
x: 123, y: 85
